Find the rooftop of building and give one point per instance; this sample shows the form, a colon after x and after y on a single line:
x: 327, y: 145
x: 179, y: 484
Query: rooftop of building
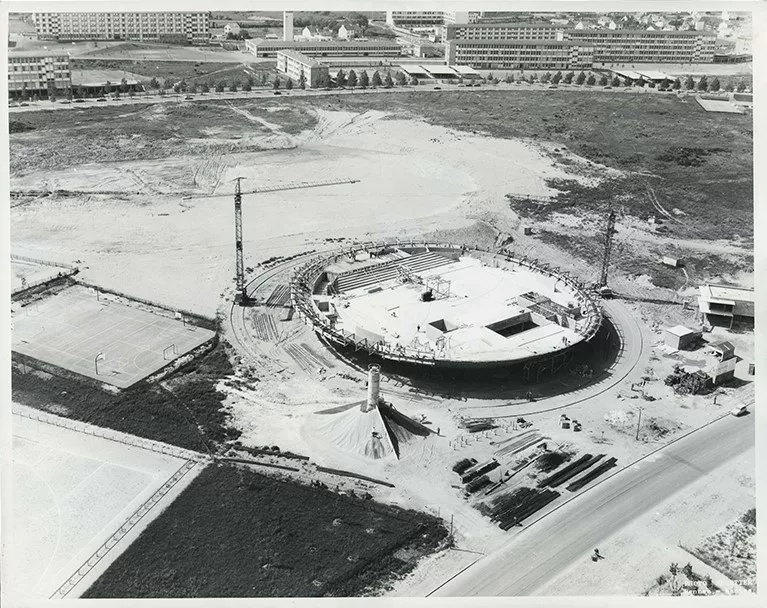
x: 726, y: 293
x: 307, y: 61
x: 287, y: 44
x: 510, y: 41
x: 39, y: 53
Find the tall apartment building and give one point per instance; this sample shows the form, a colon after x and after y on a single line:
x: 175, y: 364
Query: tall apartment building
x: 426, y: 18
x: 519, y: 46
x: 646, y: 46
x: 503, y: 31
x: 36, y: 72
x: 293, y: 64
x: 152, y: 26
x: 518, y: 54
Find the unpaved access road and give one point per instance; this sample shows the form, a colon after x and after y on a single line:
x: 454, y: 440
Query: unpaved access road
x: 542, y: 551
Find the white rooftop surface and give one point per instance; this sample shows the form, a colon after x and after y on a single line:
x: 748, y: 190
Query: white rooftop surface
x: 723, y: 292
x: 479, y: 295
x: 628, y: 74
x: 679, y: 330
x: 655, y: 75
x: 464, y: 70
x: 438, y: 69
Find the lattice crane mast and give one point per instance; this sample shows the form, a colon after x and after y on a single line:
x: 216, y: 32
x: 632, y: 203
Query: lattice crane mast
x: 608, y: 249
x: 241, y: 295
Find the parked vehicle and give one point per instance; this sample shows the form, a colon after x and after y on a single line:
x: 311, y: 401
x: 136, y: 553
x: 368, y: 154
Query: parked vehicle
x: 739, y: 410
x: 101, y: 99
x: 188, y: 97
x: 79, y: 101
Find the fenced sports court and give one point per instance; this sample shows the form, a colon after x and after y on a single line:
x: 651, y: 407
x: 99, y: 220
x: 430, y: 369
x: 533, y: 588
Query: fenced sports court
x: 97, y: 336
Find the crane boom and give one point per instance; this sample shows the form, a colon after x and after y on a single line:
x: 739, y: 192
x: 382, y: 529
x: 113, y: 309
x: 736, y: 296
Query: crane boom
x: 241, y: 290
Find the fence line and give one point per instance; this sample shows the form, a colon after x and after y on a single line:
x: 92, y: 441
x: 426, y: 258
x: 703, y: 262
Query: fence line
x: 165, y: 307
x: 122, y: 531
x: 109, y: 434
x: 23, y: 258
x: 43, y: 281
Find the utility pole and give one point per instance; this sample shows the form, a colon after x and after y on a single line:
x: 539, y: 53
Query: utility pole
x: 241, y: 296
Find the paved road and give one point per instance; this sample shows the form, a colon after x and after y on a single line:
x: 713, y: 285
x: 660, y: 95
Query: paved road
x: 539, y: 553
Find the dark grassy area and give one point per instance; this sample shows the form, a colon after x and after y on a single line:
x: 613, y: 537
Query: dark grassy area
x: 57, y: 139
x: 174, y: 70
x: 637, y: 259
x: 190, y: 415
x: 235, y: 533
x: 696, y: 161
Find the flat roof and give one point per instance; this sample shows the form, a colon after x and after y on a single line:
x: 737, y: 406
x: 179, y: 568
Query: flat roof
x: 680, y: 330
x: 41, y: 53
x: 505, y: 24
x: 655, y: 75
x: 308, y: 61
x: 465, y: 70
x: 438, y: 69
x: 648, y: 32
x: 521, y: 42
x: 413, y: 70
x: 725, y: 292
x: 288, y: 44
x: 627, y: 74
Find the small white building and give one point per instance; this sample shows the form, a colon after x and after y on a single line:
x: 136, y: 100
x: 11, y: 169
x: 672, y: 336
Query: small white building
x: 232, y: 28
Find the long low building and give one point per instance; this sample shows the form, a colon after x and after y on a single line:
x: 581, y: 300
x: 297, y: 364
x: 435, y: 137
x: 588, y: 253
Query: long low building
x: 297, y: 65
x: 38, y: 73
x: 178, y: 27
x: 543, y: 46
x: 518, y: 54
x: 331, y: 48
x: 643, y: 46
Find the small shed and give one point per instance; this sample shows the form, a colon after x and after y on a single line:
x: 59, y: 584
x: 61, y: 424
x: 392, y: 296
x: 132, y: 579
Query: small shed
x: 723, y: 372
x: 679, y: 337
x: 723, y: 350
x: 669, y: 261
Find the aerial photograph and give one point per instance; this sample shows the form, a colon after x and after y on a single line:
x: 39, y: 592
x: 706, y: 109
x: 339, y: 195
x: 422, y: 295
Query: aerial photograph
x: 394, y: 303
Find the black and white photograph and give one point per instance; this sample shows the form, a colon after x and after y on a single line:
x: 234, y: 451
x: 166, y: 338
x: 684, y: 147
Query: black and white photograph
x: 434, y: 302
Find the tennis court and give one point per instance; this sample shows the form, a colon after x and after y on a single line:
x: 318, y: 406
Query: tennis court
x: 74, y: 328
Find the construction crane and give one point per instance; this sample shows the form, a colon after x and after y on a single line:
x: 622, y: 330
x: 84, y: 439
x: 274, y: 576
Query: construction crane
x: 241, y: 295
x: 603, y: 289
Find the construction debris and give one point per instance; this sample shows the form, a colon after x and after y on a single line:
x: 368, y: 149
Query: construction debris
x: 688, y: 383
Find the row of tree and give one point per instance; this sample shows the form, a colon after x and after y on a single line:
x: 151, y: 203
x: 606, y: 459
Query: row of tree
x: 703, y: 84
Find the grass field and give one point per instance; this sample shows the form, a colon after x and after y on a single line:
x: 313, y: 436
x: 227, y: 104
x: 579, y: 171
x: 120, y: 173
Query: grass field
x: 190, y: 414
x: 71, y: 328
x: 235, y: 533
x: 650, y: 137
x: 140, y: 132
x: 201, y: 71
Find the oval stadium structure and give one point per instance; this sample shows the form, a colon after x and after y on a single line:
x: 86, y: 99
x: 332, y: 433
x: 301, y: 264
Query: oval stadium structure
x: 444, y: 305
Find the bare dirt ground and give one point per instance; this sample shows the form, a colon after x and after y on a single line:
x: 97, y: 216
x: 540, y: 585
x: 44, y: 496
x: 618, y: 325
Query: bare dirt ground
x: 168, y: 238
x: 412, y: 179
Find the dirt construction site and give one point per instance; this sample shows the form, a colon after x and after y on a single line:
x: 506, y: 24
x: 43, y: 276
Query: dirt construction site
x: 488, y: 455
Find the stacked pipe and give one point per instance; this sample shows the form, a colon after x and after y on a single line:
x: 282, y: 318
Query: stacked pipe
x: 571, y: 470
x: 592, y: 475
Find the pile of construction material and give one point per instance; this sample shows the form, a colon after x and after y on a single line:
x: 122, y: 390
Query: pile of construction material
x: 464, y: 465
x: 575, y: 468
x: 511, y: 509
x: 475, y: 477
x: 519, y: 443
x: 688, y: 383
x: 477, y: 425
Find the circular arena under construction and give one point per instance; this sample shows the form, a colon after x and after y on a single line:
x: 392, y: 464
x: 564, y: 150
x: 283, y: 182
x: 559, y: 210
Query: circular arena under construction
x: 443, y: 305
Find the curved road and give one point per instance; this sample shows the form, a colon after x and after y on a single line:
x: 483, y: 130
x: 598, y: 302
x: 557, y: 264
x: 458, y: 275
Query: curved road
x: 539, y: 553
